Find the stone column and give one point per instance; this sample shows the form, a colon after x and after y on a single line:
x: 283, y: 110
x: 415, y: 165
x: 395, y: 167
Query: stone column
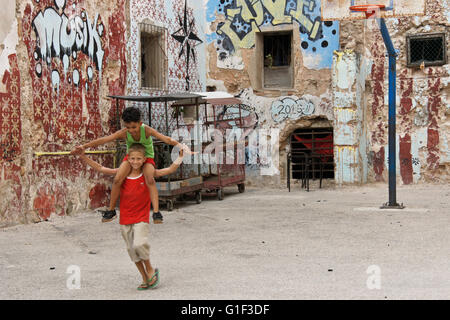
x: 348, y: 85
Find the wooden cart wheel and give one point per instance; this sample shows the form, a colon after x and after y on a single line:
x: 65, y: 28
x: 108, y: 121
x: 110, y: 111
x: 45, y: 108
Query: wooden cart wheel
x: 198, y: 197
x: 220, y: 194
x: 241, y: 187
x: 169, y: 205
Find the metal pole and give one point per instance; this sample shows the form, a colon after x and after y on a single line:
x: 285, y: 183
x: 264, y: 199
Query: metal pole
x: 392, y: 204
x: 149, y: 114
x: 66, y: 153
x: 198, y: 138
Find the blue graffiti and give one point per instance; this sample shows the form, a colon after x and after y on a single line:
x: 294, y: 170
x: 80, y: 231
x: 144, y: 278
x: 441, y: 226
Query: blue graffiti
x: 318, y: 39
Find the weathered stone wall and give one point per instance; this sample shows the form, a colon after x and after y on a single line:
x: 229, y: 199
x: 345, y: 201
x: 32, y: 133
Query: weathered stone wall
x: 64, y: 58
x: 59, y: 62
x: 422, y: 98
x: 235, y: 60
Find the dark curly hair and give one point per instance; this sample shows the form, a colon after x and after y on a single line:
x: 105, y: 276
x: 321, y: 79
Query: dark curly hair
x: 131, y: 114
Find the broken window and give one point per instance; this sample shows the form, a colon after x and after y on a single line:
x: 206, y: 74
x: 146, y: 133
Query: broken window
x: 153, y: 62
x: 277, y: 60
x: 426, y: 50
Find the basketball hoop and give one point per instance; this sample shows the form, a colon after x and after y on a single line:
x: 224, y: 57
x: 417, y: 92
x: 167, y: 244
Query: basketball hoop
x: 368, y: 9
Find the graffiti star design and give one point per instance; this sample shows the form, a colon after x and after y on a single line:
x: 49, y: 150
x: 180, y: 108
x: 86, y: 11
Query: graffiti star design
x: 188, y: 39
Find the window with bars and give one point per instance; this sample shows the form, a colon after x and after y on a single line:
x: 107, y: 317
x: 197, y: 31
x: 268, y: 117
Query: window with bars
x: 153, y: 63
x: 426, y: 50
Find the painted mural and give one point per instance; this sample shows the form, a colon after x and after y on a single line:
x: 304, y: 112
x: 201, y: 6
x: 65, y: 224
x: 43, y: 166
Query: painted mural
x: 69, y: 46
x: 242, y: 18
x: 57, y: 36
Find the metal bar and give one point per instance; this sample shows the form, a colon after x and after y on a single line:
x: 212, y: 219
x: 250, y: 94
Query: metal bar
x: 167, y: 133
x: 289, y: 172
x: 198, y: 138
x: 167, y: 118
x: 64, y: 153
x: 149, y: 114
x: 392, y: 115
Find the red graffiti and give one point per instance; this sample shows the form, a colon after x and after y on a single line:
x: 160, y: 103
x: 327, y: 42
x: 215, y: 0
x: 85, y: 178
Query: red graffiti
x: 434, y: 102
x: 61, y: 90
x: 10, y: 122
x: 406, y: 170
x: 117, y: 52
x: 99, y: 196
x: 378, y: 164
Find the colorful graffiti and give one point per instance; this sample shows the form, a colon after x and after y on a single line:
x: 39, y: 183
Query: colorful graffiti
x: 73, y: 62
x: 289, y: 108
x: 244, y: 17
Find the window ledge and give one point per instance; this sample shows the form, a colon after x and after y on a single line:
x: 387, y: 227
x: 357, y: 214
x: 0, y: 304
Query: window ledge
x: 274, y: 92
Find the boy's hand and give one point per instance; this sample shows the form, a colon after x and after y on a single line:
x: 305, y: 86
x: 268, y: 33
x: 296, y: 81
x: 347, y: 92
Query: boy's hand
x: 79, y: 150
x: 186, y: 148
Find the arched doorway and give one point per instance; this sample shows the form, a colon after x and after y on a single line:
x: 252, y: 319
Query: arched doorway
x: 311, y: 153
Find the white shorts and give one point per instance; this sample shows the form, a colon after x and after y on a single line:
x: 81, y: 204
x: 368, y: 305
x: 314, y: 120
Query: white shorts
x: 136, y: 239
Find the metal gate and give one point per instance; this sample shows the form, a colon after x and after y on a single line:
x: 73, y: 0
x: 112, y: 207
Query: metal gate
x: 310, y: 155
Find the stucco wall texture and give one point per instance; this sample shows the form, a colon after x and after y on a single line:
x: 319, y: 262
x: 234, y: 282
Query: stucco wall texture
x: 60, y: 59
x: 64, y: 58
x: 423, y: 106
x: 348, y: 88
x: 59, y: 62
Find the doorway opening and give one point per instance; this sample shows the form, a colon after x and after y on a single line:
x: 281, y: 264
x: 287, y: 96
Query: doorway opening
x: 312, y: 155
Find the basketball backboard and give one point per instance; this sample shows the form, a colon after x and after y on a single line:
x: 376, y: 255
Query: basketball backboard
x: 340, y: 9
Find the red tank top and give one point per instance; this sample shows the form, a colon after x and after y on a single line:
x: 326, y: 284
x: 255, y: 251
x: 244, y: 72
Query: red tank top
x: 134, y: 201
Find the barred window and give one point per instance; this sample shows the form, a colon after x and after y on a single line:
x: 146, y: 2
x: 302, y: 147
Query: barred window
x: 153, y: 62
x: 426, y: 49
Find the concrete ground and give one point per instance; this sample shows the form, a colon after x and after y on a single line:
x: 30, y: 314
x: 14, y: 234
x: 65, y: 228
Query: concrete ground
x: 330, y: 243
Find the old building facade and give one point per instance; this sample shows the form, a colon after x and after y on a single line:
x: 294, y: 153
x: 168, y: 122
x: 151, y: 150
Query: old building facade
x: 59, y: 62
x: 311, y: 79
x: 300, y: 74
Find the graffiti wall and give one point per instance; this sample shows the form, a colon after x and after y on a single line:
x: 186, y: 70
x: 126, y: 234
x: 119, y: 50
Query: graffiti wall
x: 235, y: 61
x: 64, y: 58
x: 237, y: 21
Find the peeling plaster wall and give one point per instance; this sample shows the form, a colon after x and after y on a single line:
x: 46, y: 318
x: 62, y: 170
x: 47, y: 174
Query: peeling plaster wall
x: 63, y: 58
x: 234, y: 63
x: 423, y: 121
x: 59, y: 61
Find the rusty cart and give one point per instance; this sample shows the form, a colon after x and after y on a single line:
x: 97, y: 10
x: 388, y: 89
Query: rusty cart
x: 220, y: 112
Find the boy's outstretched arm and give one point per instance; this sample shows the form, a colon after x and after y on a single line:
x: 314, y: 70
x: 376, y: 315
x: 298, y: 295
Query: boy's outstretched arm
x: 173, y: 167
x: 120, y: 134
x: 168, y: 140
x: 94, y: 165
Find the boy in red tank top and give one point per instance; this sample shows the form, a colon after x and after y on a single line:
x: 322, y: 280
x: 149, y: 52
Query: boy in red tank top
x: 134, y: 131
x: 135, y: 210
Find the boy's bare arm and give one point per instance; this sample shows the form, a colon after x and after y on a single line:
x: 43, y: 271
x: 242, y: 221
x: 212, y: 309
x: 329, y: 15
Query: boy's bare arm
x: 120, y: 134
x: 95, y: 165
x: 167, y: 140
x: 173, y: 167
